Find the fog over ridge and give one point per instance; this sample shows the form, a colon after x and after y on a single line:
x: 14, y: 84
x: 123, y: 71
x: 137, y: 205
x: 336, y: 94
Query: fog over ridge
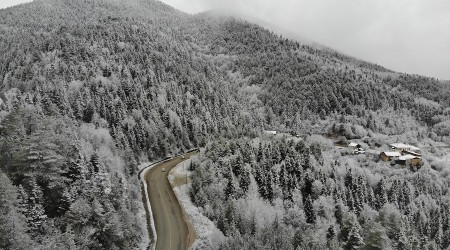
x: 405, y: 36
x: 410, y: 36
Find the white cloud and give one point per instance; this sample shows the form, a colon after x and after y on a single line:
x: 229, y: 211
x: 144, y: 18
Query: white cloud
x: 410, y: 36
x: 9, y: 3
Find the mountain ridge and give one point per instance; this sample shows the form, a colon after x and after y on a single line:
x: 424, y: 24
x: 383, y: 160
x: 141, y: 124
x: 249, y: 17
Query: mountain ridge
x: 88, y: 93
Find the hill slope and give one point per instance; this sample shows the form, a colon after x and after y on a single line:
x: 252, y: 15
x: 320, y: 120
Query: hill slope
x: 90, y: 88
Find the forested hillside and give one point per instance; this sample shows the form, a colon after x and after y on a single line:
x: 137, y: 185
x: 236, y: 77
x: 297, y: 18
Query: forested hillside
x: 286, y: 194
x: 91, y: 88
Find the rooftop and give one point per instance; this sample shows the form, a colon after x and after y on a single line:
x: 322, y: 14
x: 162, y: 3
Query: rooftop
x: 392, y: 154
x: 402, y: 145
x: 408, y: 157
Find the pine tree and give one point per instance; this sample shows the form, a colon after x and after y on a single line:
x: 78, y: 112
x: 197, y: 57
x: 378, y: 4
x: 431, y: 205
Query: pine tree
x: 253, y: 224
x: 237, y: 165
x: 309, y: 210
x: 338, y: 212
x: 306, y: 163
x: 298, y: 239
x: 439, y: 237
x: 371, y: 197
x: 244, y: 180
x: 284, y: 184
x: 331, y: 237
x: 381, y: 193
x: 95, y: 162
x: 354, y: 239
x: 348, y: 178
x: 269, y: 195
x: 403, y: 241
x: 221, y: 222
x: 230, y: 189
x: 13, y: 226
x: 35, y: 211
x: 377, y: 238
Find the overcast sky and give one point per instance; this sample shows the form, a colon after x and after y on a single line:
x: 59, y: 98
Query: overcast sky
x: 9, y: 3
x: 411, y: 36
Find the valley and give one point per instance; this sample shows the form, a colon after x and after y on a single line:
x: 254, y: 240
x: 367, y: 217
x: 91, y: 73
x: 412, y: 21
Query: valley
x: 90, y: 91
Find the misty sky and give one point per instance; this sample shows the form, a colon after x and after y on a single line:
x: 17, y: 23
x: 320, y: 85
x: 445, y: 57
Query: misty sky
x: 8, y: 3
x: 411, y: 36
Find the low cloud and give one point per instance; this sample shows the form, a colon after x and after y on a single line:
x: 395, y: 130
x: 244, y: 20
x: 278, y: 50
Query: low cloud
x: 411, y: 36
x: 9, y: 3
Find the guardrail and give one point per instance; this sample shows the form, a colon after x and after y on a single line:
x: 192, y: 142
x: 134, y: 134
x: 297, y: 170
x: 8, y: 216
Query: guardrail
x: 144, y: 191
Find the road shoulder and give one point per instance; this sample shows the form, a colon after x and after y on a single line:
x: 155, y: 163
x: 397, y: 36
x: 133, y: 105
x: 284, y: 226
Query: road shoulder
x: 204, y: 232
x: 151, y: 236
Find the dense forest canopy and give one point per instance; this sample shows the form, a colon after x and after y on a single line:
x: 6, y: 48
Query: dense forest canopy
x: 88, y: 89
x: 303, y: 194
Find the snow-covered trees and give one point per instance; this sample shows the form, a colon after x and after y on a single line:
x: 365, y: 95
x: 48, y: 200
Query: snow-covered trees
x: 334, y: 204
x: 88, y: 89
x: 13, y: 224
x: 354, y: 239
x: 65, y: 175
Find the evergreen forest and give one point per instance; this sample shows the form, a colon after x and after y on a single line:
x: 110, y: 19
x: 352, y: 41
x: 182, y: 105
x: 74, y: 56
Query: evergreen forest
x: 91, y: 89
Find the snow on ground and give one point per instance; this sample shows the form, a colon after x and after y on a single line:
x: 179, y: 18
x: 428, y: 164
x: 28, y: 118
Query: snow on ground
x: 207, y: 234
x: 147, y: 166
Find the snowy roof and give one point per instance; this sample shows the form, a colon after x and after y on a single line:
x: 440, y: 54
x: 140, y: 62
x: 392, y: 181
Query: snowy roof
x: 407, y: 157
x: 392, y: 154
x: 399, y: 145
x: 353, y: 144
x: 413, y: 152
x: 402, y: 145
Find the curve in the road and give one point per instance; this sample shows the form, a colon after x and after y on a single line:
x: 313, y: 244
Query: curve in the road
x: 172, y: 230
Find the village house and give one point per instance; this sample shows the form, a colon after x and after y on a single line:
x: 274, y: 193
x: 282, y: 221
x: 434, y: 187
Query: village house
x: 405, y: 148
x: 357, y: 148
x: 411, y: 159
x: 270, y: 132
x: 354, y: 145
x: 389, y: 156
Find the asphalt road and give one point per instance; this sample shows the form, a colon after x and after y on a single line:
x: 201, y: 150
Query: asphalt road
x: 171, y: 228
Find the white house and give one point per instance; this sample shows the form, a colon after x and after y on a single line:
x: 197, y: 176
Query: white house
x: 401, y: 147
x: 354, y: 145
x: 270, y: 132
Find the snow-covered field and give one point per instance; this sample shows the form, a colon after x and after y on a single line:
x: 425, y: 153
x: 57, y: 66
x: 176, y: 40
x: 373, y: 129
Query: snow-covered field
x: 206, y: 232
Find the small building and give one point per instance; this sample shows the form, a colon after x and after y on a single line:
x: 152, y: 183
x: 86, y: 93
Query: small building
x: 401, y: 147
x: 389, y: 156
x: 357, y: 148
x: 411, y: 159
x: 354, y: 145
x: 358, y: 151
x: 270, y: 132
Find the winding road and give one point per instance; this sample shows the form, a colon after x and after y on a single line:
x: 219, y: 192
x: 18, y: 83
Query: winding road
x: 172, y: 231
